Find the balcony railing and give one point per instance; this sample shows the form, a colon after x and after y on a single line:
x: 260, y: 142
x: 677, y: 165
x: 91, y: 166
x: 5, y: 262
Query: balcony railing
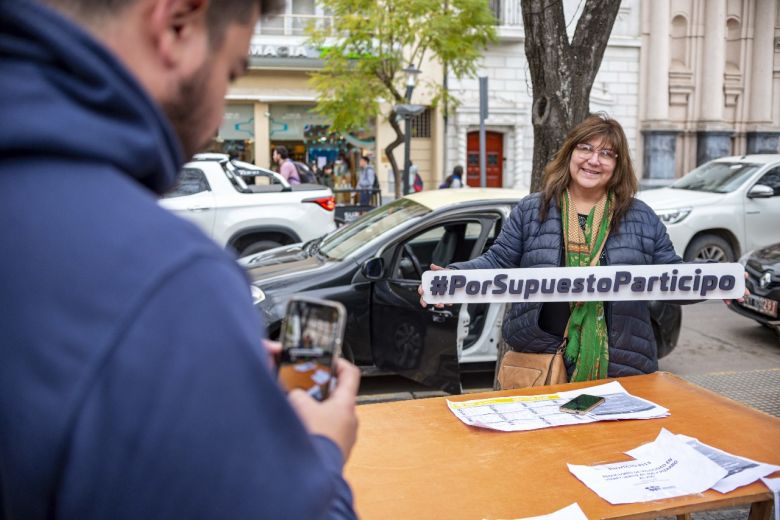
x: 507, y: 12
x: 292, y: 24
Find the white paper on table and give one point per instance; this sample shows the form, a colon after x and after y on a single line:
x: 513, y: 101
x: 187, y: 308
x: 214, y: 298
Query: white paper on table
x: 774, y: 486
x: 533, y: 412
x: 671, y: 469
x: 740, y: 471
x: 320, y: 376
x: 570, y: 512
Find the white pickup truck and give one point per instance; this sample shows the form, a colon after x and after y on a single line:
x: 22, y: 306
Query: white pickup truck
x: 249, y: 208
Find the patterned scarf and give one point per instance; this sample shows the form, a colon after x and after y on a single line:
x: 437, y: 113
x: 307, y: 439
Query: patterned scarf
x: 587, y: 345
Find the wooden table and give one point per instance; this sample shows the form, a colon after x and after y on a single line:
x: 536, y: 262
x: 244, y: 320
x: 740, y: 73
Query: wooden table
x: 415, y: 459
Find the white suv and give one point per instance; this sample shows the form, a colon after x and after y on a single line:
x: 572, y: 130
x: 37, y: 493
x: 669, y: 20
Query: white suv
x: 722, y: 209
x: 213, y: 193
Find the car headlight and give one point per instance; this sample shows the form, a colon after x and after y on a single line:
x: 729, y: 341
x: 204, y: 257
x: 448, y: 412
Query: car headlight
x: 258, y: 295
x: 744, y: 258
x: 673, y: 216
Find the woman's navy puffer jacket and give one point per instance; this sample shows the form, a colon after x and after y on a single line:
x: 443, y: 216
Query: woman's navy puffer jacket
x: 527, y: 241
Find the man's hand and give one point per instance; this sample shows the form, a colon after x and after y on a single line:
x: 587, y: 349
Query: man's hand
x: 273, y: 349
x: 335, y: 417
x: 421, y: 292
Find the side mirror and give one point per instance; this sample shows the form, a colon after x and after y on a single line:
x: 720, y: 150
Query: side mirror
x: 760, y: 191
x: 374, y: 269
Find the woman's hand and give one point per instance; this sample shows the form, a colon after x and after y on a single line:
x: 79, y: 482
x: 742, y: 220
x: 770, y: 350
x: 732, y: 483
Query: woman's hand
x: 740, y: 300
x: 421, y: 292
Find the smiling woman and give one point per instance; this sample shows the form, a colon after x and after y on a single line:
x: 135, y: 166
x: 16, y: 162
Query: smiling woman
x: 585, y: 215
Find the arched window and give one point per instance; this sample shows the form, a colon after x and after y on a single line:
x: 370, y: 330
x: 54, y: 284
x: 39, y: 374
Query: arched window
x: 733, y: 46
x: 678, y: 51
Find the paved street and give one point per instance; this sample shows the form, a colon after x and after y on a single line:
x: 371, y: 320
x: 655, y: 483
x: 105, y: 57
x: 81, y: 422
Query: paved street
x: 718, y: 349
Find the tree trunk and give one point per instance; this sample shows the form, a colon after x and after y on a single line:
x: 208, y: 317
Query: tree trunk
x: 399, y: 139
x: 562, y: 73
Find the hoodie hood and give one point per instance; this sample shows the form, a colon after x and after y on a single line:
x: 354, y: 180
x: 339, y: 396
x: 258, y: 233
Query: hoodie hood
x: 55, y: 77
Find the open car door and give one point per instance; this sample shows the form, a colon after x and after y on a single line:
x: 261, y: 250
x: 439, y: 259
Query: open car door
x: 419, y: 343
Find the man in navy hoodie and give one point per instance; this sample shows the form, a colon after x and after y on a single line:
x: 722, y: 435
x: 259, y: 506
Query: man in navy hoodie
x: 133, y: 380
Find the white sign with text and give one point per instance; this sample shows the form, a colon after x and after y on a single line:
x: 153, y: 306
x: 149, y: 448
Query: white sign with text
x: 602, y: 283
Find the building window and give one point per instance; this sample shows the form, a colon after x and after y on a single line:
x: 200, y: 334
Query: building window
x: 421, y: 125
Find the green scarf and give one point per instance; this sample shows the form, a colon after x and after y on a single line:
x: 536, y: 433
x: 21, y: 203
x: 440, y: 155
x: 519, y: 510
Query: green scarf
x: 587, y: 345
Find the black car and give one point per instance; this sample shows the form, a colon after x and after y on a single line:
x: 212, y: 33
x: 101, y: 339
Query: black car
x: 374, y: 266
x: 763, y: 283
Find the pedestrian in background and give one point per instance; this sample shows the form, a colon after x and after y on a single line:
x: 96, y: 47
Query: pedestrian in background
x: 415, y: 181
x: 454, y: 180
x: 133, y: 376
x: 286, y: 167
x: 366, y: 180
x: 327, y: 175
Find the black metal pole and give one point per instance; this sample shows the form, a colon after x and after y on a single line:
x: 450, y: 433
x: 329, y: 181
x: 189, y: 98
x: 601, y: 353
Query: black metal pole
x: 483, y: 114
x: 407, y: 141
x: 407, y: 152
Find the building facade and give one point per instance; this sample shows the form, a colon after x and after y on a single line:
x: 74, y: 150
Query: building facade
x: 273, y: 104
x: 710, y: 83
x: 509, y: 143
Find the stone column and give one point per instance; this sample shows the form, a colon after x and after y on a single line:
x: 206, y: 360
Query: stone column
x: 760, y: 114
x: 262, y: 135
x: 711, y: 140
x: 462, y: 144
x: 713, y: 61
x: 658, y: 62
x: 519, y: 176
x: 659, y: 141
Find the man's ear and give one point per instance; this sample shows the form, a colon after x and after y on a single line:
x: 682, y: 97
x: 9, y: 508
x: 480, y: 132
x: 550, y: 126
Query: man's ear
x: 180, y: 30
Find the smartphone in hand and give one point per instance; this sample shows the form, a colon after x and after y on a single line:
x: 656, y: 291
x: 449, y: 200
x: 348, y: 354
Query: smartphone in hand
x: 582, y: 404
x: 311, y: 337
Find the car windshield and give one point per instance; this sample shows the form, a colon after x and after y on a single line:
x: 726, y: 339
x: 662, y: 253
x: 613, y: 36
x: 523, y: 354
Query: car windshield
x: 343, y: 242
x: 717, y: 177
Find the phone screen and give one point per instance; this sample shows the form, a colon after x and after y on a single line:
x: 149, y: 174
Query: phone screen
x: 582, y: 404
x: 311, y: 342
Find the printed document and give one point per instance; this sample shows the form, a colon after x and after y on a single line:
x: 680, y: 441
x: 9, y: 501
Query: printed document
x: 533, y: 412
x: 673, y: 468
x: 740, y: 471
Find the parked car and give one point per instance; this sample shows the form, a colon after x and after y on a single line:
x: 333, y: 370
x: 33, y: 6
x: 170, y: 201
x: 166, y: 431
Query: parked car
x: 763, y: 283
x: 213, y: 193
x: 374, y: 265
x: 722, y: 208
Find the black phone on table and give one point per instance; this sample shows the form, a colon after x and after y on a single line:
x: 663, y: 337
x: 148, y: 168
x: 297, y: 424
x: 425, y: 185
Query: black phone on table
x: 311, y: 337
x: 582, y: 404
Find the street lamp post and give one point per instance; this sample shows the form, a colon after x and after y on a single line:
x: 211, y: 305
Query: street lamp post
x: 407, y: 111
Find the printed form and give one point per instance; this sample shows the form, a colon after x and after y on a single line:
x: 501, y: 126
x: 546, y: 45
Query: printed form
x: 533, y: 412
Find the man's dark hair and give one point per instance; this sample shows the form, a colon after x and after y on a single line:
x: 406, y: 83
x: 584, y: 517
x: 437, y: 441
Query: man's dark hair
x: 282, y: 151
x: 220, y: 14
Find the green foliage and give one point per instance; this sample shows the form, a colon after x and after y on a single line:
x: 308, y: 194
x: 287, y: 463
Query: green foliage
x: 371, y: 41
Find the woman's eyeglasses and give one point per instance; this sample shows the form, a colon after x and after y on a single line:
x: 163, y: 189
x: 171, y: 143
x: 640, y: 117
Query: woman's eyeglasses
x: 605, y: 154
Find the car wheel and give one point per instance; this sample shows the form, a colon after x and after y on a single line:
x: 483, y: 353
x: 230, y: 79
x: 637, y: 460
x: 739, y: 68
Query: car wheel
x: 706, y: 248
x: 408, y: 347
x: 259, y: 246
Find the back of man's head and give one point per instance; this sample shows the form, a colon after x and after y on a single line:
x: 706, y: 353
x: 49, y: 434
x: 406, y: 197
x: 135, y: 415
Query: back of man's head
x: 220, y: 12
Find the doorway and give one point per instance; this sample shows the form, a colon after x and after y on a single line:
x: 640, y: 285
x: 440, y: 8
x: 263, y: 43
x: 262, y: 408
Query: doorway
x: 494, y: 148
